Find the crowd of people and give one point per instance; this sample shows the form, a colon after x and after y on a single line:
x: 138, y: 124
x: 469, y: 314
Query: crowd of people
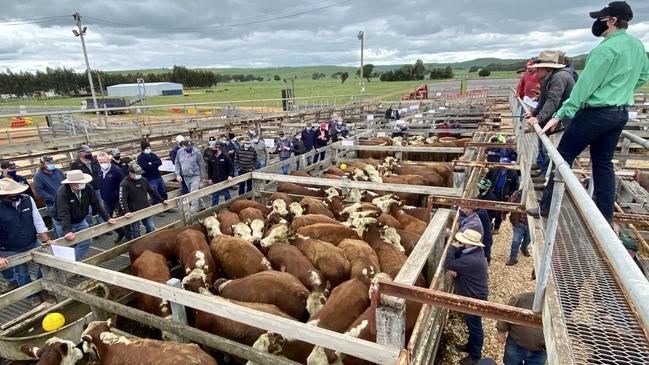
x: 106, y: 186
x: 576, y: 111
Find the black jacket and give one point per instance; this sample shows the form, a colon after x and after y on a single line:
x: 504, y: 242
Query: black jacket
x: 149, y: 163
x: 320, y: 142
x: 69, y: 210
x: 133, y: 195
x: 511, y: 183
x: 308, y: 137
x: 471, y: 268
x: 220, y: 167
x: 298, y: 146
x: 93, y: 171
x: 492, y: 197
x: 555, y: 89
x: 122, y: 163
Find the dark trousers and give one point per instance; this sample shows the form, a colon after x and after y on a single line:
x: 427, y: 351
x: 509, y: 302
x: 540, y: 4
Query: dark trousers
x: 244, y: 186
x: 542, y: 159
x: 159, y: 186
x: 321, y: 156
x: 600, y: 129
x: 476, y: 336
x: 516, y: 354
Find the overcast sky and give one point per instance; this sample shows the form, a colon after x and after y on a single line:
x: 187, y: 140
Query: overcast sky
x: 127, y: 34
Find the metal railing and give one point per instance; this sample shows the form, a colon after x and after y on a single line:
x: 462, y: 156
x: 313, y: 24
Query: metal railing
x: 630, y: 278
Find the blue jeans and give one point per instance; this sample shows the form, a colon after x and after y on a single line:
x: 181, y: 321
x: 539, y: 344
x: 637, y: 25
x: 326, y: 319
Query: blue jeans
x: 148, y: 225
x: 245, y: 186
x: 517, y: 355
x: 159, y: 186
x: 600, y: 129
x: 476, y: 336
x: 81, y: 247
x: 285, y: 167
x: 183, y: 188
x: 261, y: 164
x: 55, y: 231
x: 215, y: 196
x: 309, y: 160
x: 520, y: 240
x: 19, y: 274
x: 542, y: 159
x: 100, y: 220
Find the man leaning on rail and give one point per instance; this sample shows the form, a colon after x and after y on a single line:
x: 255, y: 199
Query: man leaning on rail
x: 598, y: 103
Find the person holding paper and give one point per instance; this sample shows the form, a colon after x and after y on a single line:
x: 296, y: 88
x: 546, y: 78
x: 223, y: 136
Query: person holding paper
x: 133, y: 197
x: 74, y: 199
x: 20, y: 223
x: 308, y: 137
x: 284, y: 148
x: 219, y: 169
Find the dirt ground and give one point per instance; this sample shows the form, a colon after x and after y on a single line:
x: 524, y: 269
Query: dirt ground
x: 504, y: 282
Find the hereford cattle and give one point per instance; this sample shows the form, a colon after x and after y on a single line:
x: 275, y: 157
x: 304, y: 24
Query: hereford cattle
x: 228, y: 220
x: 388, y: 221
x: 292, y: 349
x: 315, y: 206
x: 310, y: 219
x: 328, y: 232
x: 334, y: 170
x: 277, y: 233
x: 55, y: 352
x: 327, y: 258
x: 283, y: 196
x: 294, y: 189
x: 422, y: 214
x: 432, y: 177
x: 364, y: 262
x: 288, y: 258
x: 233, y: 330
x: 295, y: 210
x: 270, y: 287
x: 112, y: 349
x: 250, y: 214
x: 212, y: 225
x: 241, y: 204
x: 408, y: 240
x: 243, y: 231
x: 408, y: 222
x: 279, y: 212
x: 154, y: 267
x: 193, y: 252
x: 237, y: 257
x: 335, y: 205
x: 162, y: 242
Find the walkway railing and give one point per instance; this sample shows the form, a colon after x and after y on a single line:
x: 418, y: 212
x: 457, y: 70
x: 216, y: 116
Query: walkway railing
x: 630, y: 278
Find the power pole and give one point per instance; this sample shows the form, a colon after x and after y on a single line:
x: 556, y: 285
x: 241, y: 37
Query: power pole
x: 361, y: 37
x: 80, y: 32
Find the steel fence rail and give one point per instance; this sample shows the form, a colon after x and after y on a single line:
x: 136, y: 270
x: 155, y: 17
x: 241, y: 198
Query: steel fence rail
x: 635, y: 139
x: 628, y: 274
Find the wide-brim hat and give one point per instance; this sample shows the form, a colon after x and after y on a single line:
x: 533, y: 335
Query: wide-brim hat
x: 10, y: 187
x: 470, y: 237
x: 76, y: 177
x: 549, y: 59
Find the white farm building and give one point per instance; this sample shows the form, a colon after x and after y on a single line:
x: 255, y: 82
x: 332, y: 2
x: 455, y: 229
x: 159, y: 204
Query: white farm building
x: 152, y: 89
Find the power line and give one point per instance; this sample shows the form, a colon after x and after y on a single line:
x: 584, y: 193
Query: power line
x: 251, y: 21
x: 33, y: 20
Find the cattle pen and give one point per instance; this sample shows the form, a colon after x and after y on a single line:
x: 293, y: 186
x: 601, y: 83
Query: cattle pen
x: 478, y: 120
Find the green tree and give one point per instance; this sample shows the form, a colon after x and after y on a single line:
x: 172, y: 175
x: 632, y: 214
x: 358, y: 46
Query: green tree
x: 474, y: 69
x: 419, y: 71
x: 484, y: 72
x: 367, y: 71
x: 344, y: 76
x: 277, y: 78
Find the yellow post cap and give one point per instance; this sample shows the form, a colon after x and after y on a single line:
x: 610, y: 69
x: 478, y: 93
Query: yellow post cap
x: 53, y: 321
x: 343, y: 166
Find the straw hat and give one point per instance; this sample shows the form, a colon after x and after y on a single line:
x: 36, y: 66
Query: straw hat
x: 549, y: 59
x: 76, y: 177
x: 470, y: 237
x: 10, y: 187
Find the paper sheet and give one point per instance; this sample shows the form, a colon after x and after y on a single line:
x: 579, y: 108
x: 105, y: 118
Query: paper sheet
x: 348, y: 142
x: 380, y: 134
x: 270, y: 143
x: 528, y: 101
x: 419, y: 115
x: 370, y: 117
x: 167, y: 165
x: 633, y: 115
x: 64, y: 252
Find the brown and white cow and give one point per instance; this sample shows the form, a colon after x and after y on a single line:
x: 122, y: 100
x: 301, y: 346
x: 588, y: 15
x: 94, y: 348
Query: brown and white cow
x: 310, y: 219
x: 362, y: 258
x: 326, y: 257
x: 283, y: 196
x: 237, y: 257
x: 333, y: 233
x: 241, y: 204
x: 154, y: 267
x: 271, y: 287
x: 228, y: 220
x: 193, y: 252
x: 315, y: 206
x: 112, y: 349
x: 162, y: 242
x: 288, y: 258
x: 55, y: 352
x: 294, y: 189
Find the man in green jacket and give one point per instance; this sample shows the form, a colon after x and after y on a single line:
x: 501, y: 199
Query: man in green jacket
x: 598, y: 103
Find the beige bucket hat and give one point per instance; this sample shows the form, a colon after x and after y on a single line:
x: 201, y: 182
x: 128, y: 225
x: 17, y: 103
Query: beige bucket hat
x: 470, y: 237
x: 76, y: 177
x: 10, y: 187
x: 550, y: 59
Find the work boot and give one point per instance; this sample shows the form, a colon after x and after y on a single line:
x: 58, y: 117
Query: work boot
x: 512, y: 262
x: 525, y: 252
x: 462, y: 348
x: 537, y: 212
x: 469, y: 360
x: 535, y: 173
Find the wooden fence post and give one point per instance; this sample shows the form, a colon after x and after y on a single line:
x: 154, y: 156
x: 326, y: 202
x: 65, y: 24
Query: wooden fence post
x: 178, y: 311
x: 184, y: 211
x: 56, y: 276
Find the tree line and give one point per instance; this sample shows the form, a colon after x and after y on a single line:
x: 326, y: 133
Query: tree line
x: 67, y: 82
x: 417, y: 71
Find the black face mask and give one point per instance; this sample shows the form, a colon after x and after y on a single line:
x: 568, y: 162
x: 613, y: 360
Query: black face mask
x: 599, y: 27
x: 11, y: 198
x: 116, y: 157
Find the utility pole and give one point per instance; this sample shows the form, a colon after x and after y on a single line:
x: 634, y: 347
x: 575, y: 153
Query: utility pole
x: 80, y: 32
x: 361, y: 37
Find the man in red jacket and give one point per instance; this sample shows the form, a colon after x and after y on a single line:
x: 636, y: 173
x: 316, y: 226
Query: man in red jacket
x: 529, y: 84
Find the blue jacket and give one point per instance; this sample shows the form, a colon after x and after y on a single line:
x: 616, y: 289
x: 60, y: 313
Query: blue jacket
x: 173, y: 152
x: 487, y: 237
x: 47, y: 185
x: 149, y: 163
x: 308, y: 137
x: 471, y: 222
x: 471, y: 268
x: 109, y: 183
